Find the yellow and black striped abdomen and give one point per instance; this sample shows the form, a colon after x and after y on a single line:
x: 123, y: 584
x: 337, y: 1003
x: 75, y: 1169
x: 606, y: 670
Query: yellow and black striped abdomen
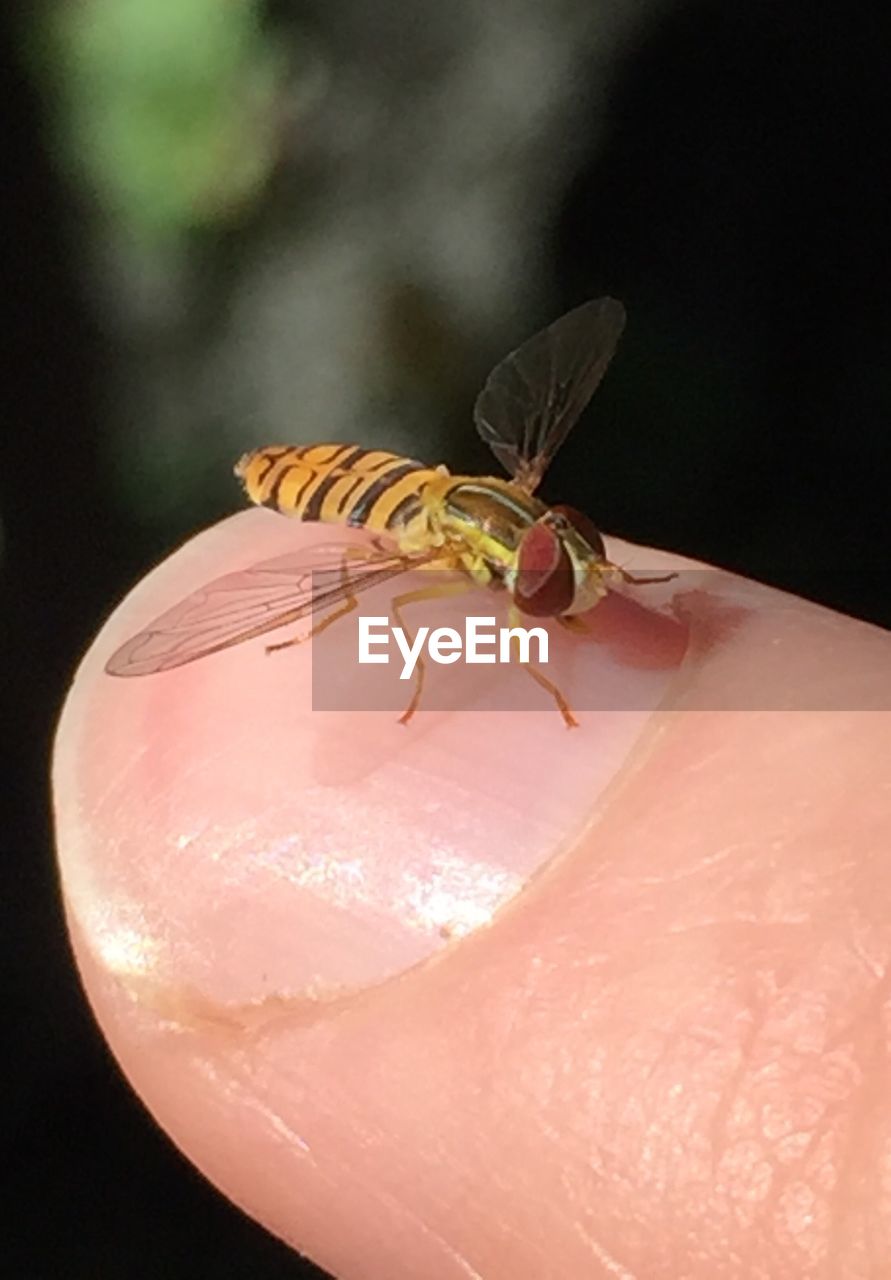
x: 336, y: 483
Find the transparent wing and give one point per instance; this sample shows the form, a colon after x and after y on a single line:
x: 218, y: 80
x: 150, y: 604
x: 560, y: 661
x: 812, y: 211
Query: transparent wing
x: 534, y: 397
x: 242, y: 605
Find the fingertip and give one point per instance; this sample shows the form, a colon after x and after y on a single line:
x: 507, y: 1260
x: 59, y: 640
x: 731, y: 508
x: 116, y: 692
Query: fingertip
x: 254, y: 887
x: 257, y: 848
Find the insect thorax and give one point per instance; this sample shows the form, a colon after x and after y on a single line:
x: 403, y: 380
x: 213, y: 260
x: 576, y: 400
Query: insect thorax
x: 488, y: 516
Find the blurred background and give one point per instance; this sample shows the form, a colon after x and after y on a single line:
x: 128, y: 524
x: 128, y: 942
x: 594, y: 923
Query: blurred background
x: 227, y: 224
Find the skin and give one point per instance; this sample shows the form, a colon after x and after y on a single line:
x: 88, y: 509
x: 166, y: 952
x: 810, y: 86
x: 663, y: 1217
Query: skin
x: 486, y: 997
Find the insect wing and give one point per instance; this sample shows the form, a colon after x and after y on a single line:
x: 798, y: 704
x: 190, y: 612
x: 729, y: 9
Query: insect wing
x: 534, y: 397
x: 242, y: 605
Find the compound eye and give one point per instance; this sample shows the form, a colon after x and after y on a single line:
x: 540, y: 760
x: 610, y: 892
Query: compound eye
x: 584, y: 526
x: 545, y: 585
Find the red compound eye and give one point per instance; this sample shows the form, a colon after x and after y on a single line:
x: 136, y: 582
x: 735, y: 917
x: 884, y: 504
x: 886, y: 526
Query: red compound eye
x: 584, y: 526
x: 545, y: 585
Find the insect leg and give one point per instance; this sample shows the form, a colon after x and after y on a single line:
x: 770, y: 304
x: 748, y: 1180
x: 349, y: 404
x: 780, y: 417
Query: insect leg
x: 347, y: 606
x: 638, y: 581
x: 573, y: 624
x: 539, y: 677
x: 414, y: 597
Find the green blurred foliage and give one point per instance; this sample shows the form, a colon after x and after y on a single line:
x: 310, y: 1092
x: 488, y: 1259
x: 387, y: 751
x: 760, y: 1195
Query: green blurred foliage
x: 164, y: 109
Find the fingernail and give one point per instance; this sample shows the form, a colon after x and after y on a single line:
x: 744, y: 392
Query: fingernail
x: 217, y: 836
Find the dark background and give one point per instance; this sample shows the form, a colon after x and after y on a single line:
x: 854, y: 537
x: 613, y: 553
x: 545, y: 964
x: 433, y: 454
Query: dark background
x: 721, y: 168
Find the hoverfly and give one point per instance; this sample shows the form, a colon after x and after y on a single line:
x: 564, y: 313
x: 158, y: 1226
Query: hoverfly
x: 494, y: 532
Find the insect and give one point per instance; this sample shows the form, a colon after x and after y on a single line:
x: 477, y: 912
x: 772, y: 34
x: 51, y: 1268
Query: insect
x: 491, y: 531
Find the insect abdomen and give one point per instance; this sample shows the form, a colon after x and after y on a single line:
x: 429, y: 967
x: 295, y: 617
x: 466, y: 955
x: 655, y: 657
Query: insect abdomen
x: 336, y: 483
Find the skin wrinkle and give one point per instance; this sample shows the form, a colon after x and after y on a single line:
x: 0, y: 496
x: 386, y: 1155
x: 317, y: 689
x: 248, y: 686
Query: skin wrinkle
x: 708, y: 861
x: 728, y: 1095
x: 399, y: 1209
x: 247, y: 1098
x: 791, y: 1173
x: 746, y: 1049
x: 233, y: 1086
x: 862, y: 1126
x: 821, y: 1061
x: 610, y: 1264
